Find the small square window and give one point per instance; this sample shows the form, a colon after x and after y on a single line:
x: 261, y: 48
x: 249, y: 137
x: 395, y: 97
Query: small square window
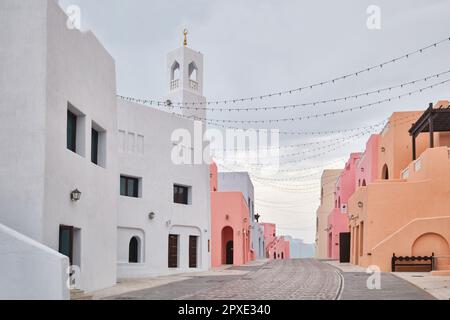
x: 129, y: 187
x: 181, y: 194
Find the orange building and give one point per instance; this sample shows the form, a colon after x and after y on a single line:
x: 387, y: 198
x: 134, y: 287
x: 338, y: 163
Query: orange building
x: 405, y: 212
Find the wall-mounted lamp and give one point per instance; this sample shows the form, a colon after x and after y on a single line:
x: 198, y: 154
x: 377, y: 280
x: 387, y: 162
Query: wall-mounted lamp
x: 360, y: 205
x: 75, y: 195
x: 227, y: 217
x: 168, y: 223
x: 151, y: 215
x: 383, y: 149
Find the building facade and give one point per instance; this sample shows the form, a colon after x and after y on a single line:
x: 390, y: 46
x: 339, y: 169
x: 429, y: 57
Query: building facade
x: 404, y: 211
x: 230, y: 220
x: 58, y: 126
x: 327, y: 185
x: 165, y: 195
x: 338, y: 230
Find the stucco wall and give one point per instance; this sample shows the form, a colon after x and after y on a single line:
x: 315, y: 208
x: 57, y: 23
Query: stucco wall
x: 29, y: 270
x: 158, y: 174
x: 328, y: 182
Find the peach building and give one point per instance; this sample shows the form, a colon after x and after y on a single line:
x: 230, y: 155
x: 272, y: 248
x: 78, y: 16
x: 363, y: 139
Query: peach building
x: 230, y: 225
x: 327, y: 182
x: 338, y: 231
x: 367, y: 166
x: 405, y: 211
x: 276, y: 247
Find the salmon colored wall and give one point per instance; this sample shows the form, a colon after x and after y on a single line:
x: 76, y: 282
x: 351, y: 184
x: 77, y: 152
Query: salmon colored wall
x: 397, y: 212
x: 229, y: 221
x: 229, y: 209
x: 338, y: 218
x: 395, y: 145
x: 367, y: 166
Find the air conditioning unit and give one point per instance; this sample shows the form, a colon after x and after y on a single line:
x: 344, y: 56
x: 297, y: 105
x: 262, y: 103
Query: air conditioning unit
x: 344, y: 208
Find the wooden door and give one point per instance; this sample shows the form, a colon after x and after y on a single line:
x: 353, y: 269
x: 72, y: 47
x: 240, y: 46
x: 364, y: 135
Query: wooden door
x: 193, y: 240
x: 173, y: 251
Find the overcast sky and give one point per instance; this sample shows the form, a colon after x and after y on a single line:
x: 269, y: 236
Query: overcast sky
x: 254, y: 47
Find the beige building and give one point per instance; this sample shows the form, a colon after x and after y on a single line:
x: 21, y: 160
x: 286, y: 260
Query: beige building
x: 328, y: 181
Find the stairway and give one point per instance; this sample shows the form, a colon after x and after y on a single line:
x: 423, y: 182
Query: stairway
x: 79, y: 295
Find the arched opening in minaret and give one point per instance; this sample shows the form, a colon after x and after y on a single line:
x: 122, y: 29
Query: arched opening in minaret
x: 193, y: 70
x: 175, y: 71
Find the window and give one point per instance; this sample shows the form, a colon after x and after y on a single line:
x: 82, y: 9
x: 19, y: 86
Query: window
x: 71, y: 131
x: 133, y: 253
x: 75, y: 130
x: 129, y: 187
x: 94, y: 146
x: 181, y: 194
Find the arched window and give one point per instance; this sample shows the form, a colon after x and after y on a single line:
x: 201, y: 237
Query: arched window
x: 175, y: 71
x: 385, y: 173
x: 133, y: 250
x: 339, y: 202
x: 193, y: 70
x: 359, y: 183
x: 364, y: 183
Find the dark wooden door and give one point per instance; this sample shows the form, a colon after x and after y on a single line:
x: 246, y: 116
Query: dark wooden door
x: 230, y: 250
x: 193, y: 251
x: 344, y: 247
x: 66, y: 242
x: 173, y: 251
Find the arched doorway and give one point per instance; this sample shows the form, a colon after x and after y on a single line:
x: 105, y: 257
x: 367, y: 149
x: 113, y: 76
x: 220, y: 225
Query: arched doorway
x: 133, y: 250
x: 385, y: 173
x: 275, y: 256
x: 282, y: 256
x: 430, y: 243
x: 227, y: 246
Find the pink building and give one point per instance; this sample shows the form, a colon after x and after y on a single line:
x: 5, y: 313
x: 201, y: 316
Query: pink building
x: 338, y: 229
x: 275, y: 247
x: 367, y: 166
x: 230, y: 226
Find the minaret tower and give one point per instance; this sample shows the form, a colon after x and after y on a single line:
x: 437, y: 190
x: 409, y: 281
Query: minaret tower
x: 185, y: 74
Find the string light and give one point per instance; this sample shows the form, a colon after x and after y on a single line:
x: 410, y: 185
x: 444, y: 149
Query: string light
x: 332, y: 81
x: 292, y: 106
x: 331, y: 113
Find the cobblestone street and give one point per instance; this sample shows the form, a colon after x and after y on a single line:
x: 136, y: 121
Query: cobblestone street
x: 306, y: 279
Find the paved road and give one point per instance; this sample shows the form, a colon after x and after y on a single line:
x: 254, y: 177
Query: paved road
x: 306, y: 279
x: 277, y: 280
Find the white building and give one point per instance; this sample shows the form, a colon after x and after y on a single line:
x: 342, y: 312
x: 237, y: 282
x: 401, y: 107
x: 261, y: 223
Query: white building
x: 58, y: 132
x: 240, y: 181
x: 61, y: 129
x: 164, y: 209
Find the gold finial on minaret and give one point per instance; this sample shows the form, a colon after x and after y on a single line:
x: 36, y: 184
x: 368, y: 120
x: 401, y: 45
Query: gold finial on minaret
x: 185, y: 32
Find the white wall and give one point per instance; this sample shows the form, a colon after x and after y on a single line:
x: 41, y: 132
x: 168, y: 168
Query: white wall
x: 29, y: 270
x: 44, y: 65
x: 82, y: 72
x: 154, y: 166
x: 23, y: 52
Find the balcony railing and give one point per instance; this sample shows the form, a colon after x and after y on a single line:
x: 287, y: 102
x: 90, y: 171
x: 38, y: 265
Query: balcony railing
x: 193, y: 85
x: 174, y: 84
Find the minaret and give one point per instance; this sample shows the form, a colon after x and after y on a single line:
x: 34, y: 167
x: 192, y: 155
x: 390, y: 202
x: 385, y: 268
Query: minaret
x: 185, y: 74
